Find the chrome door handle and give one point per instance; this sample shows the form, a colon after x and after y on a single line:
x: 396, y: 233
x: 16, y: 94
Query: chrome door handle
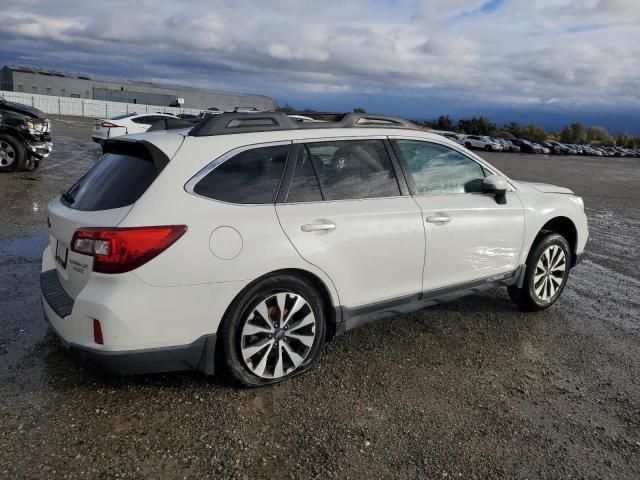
x: 438, y: 219
x: 317, y: 227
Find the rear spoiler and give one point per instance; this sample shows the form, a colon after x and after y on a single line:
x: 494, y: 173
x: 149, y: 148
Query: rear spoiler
x: 137, y: 148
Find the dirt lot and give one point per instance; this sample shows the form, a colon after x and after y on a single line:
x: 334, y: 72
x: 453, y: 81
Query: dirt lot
x: 473, y: 389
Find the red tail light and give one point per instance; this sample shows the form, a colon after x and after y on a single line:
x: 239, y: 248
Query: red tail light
x: 119, y: 250
x: 108, y: 125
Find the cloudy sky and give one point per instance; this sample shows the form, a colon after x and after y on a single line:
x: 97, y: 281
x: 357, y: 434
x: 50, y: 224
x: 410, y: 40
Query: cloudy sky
x: 545, y: 61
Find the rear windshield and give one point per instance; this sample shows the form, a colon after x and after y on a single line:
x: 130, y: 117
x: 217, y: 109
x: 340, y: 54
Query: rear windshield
x: 116, y: 181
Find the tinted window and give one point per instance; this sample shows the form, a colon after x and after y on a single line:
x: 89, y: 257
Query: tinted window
x: 439, y: 169
x: 304, y: 184
x: 147, y: 120
x: 115, y: 181
x: 354, y: 169
x: 252, y: 176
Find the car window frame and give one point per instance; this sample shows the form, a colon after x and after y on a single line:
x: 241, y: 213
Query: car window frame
x: 291, y: 163
x: 487, y: 169
x: 190, y: 185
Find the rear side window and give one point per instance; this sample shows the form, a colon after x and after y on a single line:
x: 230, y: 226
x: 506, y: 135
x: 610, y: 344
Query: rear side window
x: 354, y: 169
x: 250, y: 177
x: 115, y: 181
x: 304, y: 184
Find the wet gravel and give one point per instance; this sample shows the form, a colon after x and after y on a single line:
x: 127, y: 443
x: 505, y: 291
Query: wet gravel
x: 472, y: 389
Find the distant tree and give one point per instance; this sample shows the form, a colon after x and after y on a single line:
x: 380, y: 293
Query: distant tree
x: 443, y: 123
x: 477, y: 126
x: 599, y: 135
x: 286, y: 108
x: 627, y: 141
x: 573, y: 133
x: 504, y: 134
x: 359, y: 110
x: 534, y: 133
x: 513, y: 128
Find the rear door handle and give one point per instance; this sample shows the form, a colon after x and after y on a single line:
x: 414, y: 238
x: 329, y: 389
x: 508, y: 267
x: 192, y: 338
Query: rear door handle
x: 438, y: 219
x: 317, y: 227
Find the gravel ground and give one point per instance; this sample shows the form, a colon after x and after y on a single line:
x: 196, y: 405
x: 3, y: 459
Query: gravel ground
x: 472, y: 389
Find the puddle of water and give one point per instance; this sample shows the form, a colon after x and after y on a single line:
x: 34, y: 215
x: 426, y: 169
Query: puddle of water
x: 31, y: 246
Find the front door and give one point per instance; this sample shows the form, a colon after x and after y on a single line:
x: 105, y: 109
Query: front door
x: 469, y: 235
x: 344, y: 213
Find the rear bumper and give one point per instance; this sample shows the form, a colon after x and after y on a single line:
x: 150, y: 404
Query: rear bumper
x: 198, y: 355
x: 57, y: 307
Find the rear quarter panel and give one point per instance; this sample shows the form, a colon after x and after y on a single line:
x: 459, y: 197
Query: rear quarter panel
x: 191, y: 260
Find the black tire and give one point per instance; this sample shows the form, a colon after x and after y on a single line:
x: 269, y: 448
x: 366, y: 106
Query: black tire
x: 488, y: 148
x: 229, y: 355
x: 526, y: 298
x: 14, y: 161
x: 468, y: 145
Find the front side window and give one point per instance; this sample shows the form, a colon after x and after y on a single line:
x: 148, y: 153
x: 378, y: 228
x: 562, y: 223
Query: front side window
x: 438, y: 169
x: 354, y: 169
x: 250, y: 177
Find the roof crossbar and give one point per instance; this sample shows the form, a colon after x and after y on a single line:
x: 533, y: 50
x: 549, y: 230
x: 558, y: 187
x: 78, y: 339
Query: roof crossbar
x: 246, y: 122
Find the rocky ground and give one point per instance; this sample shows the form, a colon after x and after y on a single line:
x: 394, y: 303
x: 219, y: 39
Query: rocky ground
x: 472, y: 389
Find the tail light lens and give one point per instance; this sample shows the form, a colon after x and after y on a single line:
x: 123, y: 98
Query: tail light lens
x: 119, y: 250
x: 108, y: 125
x: 97, y: 332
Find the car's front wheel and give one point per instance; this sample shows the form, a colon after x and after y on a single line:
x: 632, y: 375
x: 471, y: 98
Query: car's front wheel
x: 12, y: 154
x: 275, y: 329
x: 546, y: 274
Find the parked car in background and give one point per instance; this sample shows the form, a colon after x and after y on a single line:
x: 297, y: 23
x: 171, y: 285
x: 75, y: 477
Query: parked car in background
x: 481, y: 142
x: 560, y: 148
x: 131, y: 123
x: 245, y: 244
x: 545, y: 150
x: 25, y: 137
x: 527, y: 146
x: 507, y: 146
x: 455, y: 137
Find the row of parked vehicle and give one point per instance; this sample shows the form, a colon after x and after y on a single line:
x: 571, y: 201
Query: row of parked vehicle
x: 495, y: 144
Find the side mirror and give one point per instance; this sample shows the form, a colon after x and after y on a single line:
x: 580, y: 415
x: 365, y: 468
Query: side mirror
x: 496, y: 185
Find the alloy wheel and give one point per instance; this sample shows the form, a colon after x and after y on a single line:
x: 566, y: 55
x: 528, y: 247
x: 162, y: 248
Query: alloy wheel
x: 277, y: 335
x: 7, y: 154
x: 549, y: 274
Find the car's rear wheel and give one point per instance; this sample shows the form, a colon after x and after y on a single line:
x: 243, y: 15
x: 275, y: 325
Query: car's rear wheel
x: 274, y: 330
x: 546, y: 274
x: 12, y: 153
x: 488, y: 148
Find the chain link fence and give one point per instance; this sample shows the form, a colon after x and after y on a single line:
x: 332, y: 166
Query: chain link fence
x: 81, y: 107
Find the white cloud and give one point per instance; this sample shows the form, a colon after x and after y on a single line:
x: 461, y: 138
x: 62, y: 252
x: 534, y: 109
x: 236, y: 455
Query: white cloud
x: 527, y: 52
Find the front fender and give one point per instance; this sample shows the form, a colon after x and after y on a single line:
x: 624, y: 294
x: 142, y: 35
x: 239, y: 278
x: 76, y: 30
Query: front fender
x: 541, y: 208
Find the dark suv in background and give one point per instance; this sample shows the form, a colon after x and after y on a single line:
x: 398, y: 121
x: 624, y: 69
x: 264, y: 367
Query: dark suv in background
x: 25, y: 137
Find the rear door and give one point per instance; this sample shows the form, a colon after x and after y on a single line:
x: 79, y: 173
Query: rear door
x: 345, y: 213
x: 469, y: 235
x: 102, y: 198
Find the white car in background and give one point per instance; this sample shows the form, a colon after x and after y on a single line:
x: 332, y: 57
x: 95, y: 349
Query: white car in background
x: 252, y: 239
x: 126, y: 124
x: 482, y: 142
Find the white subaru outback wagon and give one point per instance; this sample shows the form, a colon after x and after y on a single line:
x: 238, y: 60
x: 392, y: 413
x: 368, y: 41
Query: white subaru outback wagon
x: 251, y: 239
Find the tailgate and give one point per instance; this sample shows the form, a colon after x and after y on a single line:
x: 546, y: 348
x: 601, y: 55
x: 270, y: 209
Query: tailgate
x: 73, y: 268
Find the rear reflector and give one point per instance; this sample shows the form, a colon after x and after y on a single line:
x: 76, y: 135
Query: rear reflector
x: 119, y: 250
x: 97, y: 332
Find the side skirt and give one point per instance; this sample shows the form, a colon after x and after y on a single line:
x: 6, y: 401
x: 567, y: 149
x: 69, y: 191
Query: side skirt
x: 355, y: 317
